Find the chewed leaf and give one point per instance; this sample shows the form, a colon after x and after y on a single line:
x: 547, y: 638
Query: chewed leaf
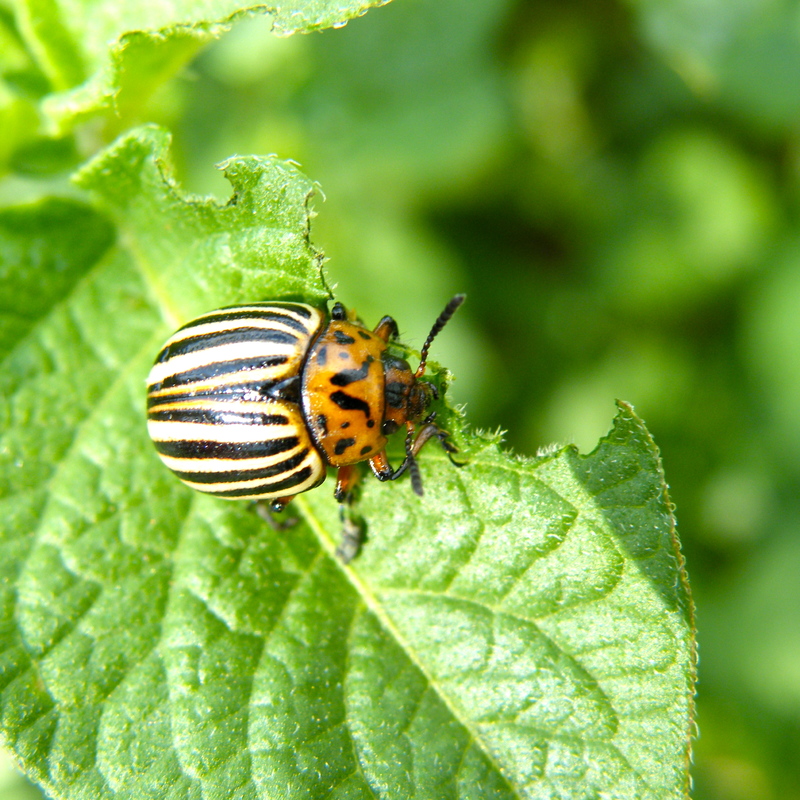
x: 90, y: 51
x: 524, y: 630
x: 207, y: 254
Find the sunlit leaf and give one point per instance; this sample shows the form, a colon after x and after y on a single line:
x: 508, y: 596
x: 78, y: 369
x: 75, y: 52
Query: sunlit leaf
x: 523, y: 630
x: 99, y: 56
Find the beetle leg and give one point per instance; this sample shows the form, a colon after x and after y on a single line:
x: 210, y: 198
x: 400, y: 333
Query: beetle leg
x: 386, y: 329
x: 267, y: 510
x: 346, y: 479
x: 416, y: 477
x: 381, y: 467
x: 279, y: 503
x: 410, y: 461
x: 352, y: 535
x: 428, y: 432
x: 352, y: 532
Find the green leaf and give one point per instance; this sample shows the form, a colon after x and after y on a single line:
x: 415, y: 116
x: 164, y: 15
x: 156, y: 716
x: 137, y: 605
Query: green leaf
x: 18, y: 117
x: 745, y: 55
x: 104, y: 55
x: 522, y: 631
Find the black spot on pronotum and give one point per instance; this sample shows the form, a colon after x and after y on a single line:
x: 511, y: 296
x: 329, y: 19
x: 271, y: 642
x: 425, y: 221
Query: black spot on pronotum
x: 349, y: 403
x: 366, y: 449
x: 345, y: 425
x: 365, y: 335
x: 347, y: 376
x: 344, y: 355
x: 370, y: 423
x: 342, y: 445
x: 322, y: 423
x: 343, y: 338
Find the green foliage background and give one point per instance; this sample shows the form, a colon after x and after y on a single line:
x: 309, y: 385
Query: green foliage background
x: 614, y: 184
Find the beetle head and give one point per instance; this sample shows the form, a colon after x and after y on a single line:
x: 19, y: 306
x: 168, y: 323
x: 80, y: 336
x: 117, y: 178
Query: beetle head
x: 407, y: 398
x: 407, y: 395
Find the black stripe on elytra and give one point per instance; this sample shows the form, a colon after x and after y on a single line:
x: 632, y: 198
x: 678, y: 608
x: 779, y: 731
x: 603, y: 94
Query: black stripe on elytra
x: 250, y: 310
x: 227, y: 393
x: 347, y: 376
x: 301, y: 311
x: 342, y: 445
x: 233, y: 475
x: 234, y: 315
x: 205, y: 341
x: 188, y: 448
x: 342, y: 338
x: 322, y: 356
x: 253, y: 491
x: 215, y: 416
x: 322, y: 423
x: 349, y: 403
x: 206, y: 372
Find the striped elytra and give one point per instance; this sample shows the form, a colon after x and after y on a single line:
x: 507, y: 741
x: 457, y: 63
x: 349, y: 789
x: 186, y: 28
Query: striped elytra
x: 211, y: 414
x: 257, y: 401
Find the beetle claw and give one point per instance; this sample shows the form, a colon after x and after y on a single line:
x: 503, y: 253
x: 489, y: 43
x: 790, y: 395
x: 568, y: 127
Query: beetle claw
x: 267, y: 510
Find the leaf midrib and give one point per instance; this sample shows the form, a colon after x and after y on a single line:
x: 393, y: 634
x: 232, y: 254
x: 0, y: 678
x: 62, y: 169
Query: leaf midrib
x: 372, y: 603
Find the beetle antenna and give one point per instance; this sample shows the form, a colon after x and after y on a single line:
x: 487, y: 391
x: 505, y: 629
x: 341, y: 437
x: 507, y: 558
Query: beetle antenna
x: 416, y: 478
x: 442, y: 320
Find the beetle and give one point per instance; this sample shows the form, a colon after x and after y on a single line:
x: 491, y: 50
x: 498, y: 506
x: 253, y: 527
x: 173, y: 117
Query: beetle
x: 255, y: 401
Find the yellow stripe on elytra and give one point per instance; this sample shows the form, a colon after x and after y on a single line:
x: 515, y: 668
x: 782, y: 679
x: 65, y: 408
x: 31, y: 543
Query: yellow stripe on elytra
x: 230, y: 433
x: 225, y: 326
x: 186, y: 362
x: 235, y: 404
x: 257, y: 484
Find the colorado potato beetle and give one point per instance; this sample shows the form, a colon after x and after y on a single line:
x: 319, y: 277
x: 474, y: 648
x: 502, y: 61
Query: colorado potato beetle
x: 255, y: 402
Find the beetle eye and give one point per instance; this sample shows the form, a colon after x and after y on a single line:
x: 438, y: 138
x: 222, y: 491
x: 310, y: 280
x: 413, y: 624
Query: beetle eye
x: 395, y: 362
x: 389, y: 427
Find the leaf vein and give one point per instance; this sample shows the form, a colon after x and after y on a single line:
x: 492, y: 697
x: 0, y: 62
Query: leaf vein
x: 375, y: 607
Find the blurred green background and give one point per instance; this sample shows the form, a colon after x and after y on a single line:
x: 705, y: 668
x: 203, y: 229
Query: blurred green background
x: 616, y: 186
